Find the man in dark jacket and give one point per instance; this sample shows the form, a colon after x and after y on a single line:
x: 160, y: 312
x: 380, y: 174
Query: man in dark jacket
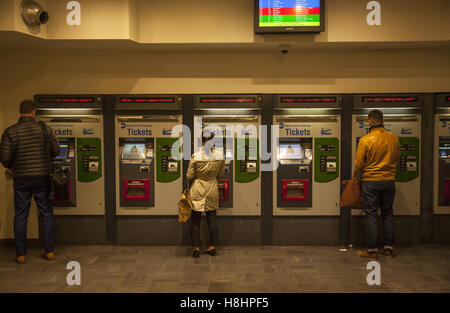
x: 23, y: 152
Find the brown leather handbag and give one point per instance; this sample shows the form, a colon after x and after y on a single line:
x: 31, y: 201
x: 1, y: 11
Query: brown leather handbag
x: 184, y: 207
x: 351, y: 194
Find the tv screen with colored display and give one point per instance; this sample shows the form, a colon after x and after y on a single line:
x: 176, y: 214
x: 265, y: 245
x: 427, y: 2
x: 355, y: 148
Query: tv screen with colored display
x: 289, y: 16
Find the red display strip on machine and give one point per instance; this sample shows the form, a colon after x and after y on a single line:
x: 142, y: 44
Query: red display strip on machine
x: 147, y: 100
x: 67, y: 100
x: 307, y: 99
x: 389, y: 99
x: 228, y: 100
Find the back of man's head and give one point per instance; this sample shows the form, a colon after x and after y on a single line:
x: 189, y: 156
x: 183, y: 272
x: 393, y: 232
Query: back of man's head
x: 376, y: 116
x: 27, y: 107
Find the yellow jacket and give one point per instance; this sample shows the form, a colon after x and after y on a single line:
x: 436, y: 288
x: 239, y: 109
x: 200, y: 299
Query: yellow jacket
x: 377, y: 155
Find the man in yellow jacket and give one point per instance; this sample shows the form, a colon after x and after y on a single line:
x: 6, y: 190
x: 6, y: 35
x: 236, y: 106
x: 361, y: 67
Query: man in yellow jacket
x: 376, y: 159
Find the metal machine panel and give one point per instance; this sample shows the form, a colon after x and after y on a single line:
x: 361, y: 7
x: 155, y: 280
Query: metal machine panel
x: 157, y: 181
x: 294, y: 173
x: 65, y: 196
x: 84, y: 136
x: 408, y: 128
x: 441, y: 190
x: 242, y: 172
x: 317, y: 166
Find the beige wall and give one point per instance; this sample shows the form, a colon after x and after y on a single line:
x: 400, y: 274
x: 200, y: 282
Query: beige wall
x: 133, y: 17
x: 205, y: 21
x: 2, y: 177
x: 231, y: 21
x: 9, y: 106
x: 100, y: 19
x: 401, y: 20
x: 348, y: 71
x: 6, y: 196
x: 186, y: 71
x: 7, y: 15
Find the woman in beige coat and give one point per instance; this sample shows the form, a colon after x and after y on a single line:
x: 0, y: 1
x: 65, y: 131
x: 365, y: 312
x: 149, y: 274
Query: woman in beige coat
x: 204, y: 169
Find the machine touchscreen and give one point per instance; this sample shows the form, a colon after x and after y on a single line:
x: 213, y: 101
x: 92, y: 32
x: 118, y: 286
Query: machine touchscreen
x: 290, y: 151
x: 62, y: 151
x: 229, y: 154
x: 444, y: 150
x: 133, y: 151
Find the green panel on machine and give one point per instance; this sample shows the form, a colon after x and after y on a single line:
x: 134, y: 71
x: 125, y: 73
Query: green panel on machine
x: 167, y: 168
x: 408, y: 167
x: 89, y: 158
x: 246, y: 170
x: 326, y: 159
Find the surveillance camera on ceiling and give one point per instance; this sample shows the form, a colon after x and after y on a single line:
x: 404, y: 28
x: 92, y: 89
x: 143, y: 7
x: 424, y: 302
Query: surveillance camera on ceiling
x: 284, y: 49
x: 32, y: 13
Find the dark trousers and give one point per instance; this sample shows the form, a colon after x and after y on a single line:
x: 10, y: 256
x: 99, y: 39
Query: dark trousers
x: 196, y: 219
x: 23, y: 191
x: 379, y: 194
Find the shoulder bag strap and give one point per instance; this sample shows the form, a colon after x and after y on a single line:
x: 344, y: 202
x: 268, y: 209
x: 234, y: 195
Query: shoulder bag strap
x: 46, y: 140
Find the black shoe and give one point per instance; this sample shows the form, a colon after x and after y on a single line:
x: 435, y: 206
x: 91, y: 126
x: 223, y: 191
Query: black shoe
x: 211, y: 252
x: 196, y: 254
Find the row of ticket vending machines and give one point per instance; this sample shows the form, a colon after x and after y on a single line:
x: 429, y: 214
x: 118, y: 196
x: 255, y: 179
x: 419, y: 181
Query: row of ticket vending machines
x: 307, y: 180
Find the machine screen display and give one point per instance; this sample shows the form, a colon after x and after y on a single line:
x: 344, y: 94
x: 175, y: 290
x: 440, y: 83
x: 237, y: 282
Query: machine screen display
x: 134, y: 151
x: 218, y: 150
x: 62, y: 151
x: 444, y: 150
x: 229, y: 154
x: 290, y: 151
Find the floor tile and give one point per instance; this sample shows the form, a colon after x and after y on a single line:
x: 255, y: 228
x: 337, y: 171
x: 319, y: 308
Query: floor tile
x: 238, y: 269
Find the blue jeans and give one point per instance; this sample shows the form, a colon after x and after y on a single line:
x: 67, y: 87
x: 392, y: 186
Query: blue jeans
x: 379, y: 194
x: 24, y: 188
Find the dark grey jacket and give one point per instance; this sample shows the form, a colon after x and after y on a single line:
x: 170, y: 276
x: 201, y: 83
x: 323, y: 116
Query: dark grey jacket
x: 22, y: 149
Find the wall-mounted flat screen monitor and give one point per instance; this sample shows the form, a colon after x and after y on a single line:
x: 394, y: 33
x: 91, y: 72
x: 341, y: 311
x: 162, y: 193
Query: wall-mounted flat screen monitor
x: 133, y: 151
x: 290, y: 151
x: 289, y: 16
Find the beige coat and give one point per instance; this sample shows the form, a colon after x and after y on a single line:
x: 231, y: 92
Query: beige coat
x: 202, y: 173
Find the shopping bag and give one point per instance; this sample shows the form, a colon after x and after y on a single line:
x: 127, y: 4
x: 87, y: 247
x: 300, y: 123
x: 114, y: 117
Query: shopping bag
x: 184, y: 207
x: 351, y: 194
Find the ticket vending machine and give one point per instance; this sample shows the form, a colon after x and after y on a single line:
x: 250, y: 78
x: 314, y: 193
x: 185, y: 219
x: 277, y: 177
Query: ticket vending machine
x: 235, y: 120
x: 306, y: 181
x: 441, y: 188
x: 77, y: 123
x: 149, y: 179
x: 402, y: 117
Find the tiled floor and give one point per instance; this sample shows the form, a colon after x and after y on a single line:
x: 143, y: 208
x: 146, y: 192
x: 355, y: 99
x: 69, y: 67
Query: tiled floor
x: 424, y: 268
